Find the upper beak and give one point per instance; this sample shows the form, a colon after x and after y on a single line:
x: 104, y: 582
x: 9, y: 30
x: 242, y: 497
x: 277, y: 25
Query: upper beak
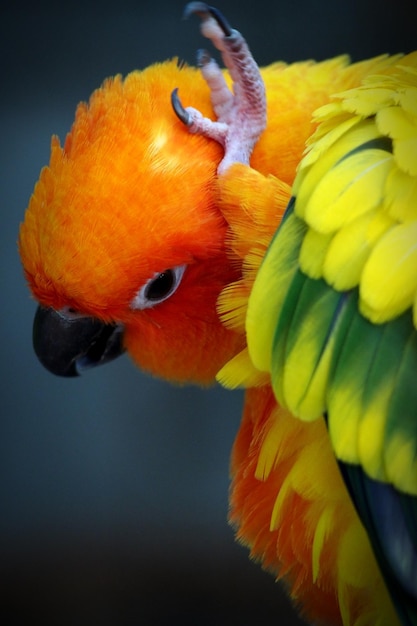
x: 66, y: 346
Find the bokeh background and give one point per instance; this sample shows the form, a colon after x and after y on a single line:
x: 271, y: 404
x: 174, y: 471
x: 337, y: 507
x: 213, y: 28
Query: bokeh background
x: 113, y: 487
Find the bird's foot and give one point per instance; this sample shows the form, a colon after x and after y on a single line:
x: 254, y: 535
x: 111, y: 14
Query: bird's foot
x: 241, y: 114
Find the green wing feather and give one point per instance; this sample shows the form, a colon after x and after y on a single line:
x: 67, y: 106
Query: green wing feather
x: 333, y: 311
x: 332, y: 314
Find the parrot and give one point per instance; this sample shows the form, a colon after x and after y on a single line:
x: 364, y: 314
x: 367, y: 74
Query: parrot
x: 258, y: 227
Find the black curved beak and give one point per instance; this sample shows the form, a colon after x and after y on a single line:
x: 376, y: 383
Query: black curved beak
x: 67, y: 346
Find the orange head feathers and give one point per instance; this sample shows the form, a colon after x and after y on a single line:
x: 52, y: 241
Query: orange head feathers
x: 128, y: 198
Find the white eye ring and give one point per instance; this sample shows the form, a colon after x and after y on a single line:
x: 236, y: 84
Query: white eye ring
x: 158, y: 288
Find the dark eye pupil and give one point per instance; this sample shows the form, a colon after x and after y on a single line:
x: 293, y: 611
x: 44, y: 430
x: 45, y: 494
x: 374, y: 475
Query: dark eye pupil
x: 160, y: 286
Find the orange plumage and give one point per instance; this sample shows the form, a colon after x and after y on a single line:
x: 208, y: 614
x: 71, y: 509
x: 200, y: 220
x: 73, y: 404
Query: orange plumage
x: 128, y: 195
x: 132, y: 193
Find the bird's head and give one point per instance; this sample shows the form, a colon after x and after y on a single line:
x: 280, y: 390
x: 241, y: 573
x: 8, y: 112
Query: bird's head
x: 122, y: 243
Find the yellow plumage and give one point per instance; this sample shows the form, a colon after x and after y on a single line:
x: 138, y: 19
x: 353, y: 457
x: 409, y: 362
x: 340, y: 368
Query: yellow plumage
x: 331, y: 192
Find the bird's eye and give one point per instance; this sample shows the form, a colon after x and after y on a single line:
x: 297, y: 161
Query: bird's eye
x: 158, y: 288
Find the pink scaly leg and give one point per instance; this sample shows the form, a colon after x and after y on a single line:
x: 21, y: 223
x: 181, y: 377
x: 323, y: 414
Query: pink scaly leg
x: 241, y: 115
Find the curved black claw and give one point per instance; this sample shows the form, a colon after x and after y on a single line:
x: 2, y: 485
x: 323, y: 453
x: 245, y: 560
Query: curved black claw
x: 179, y: 110
x: 204, y: 10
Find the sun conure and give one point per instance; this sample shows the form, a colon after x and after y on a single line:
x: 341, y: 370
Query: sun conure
x: 274, y: 248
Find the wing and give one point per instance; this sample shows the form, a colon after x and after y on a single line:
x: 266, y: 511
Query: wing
x: 333, y: 311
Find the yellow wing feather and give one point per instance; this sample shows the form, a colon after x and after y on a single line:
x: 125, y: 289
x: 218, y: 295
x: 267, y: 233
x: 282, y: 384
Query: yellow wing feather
x: 384, y: 261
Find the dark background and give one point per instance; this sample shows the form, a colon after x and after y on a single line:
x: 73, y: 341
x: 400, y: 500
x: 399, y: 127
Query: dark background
x: 113, y: 487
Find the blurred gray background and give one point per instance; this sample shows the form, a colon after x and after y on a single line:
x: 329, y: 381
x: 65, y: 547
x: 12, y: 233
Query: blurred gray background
x: 113, y: 487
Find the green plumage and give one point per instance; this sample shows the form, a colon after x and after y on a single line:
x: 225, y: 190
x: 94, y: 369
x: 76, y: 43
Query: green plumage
x: 327, y: 357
